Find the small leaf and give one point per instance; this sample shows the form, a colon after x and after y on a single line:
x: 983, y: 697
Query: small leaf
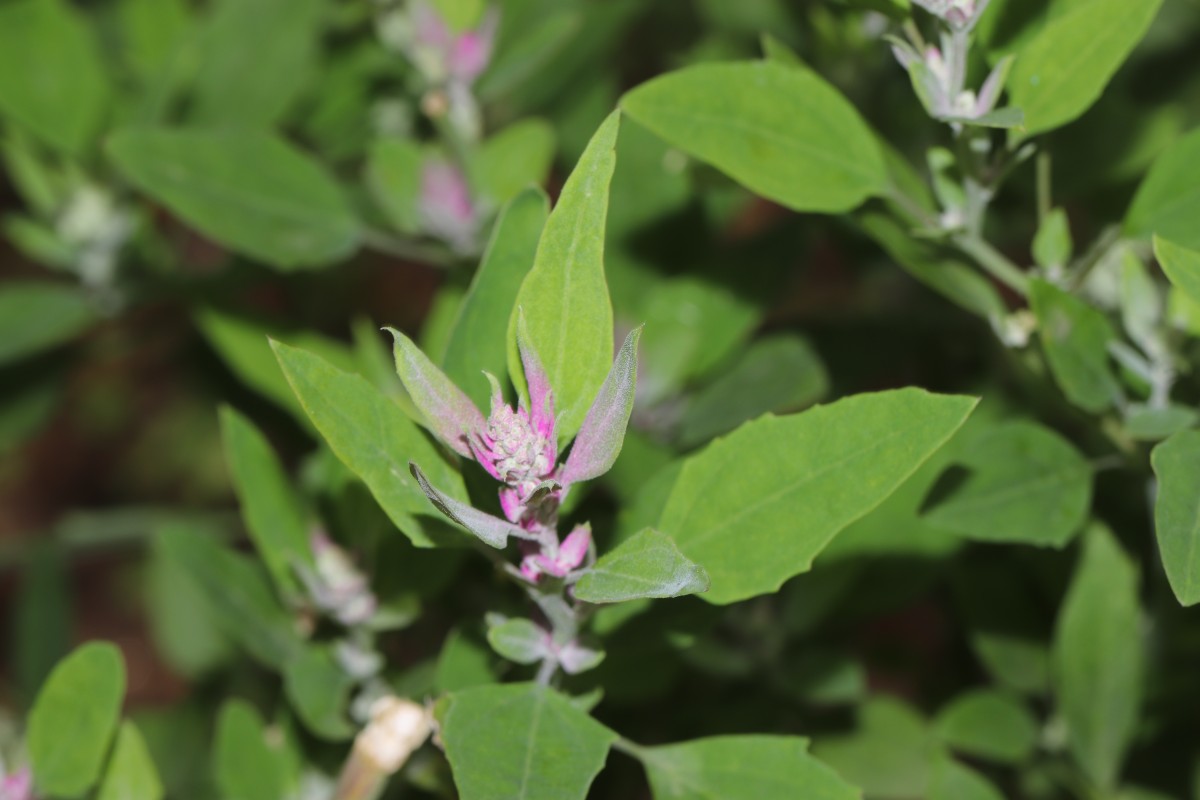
x: 807, y: 476
x: 887, y: 755
x: 1176, y: 464
x: 518, y: 640
x: 647, y: 564
x: 741, y: 768
x: 491, y: 530
x: 565, y: 297
x: 248, y: 190
x: 514, y: 159
x: 1064, y: 69
x: 950, y: 780
x: 131, y: 774
x: 1025, y: 484
x: 478, y: 335
x: 74, y: 719
x: 248, y: 762
x: 1166, y: 203
x: 600, y: 437
x: 35, y: 316
x: 782, y: 132
x: 1147, y: 424
x: 989, y: 724
x: 521, y: 742
x: 1052, y: 246
x: 1181, y: 265
x: 370, y: 435
x: 318, y: 690
x: 1075, y: 337
x: 448, y: 413
x: 1098, y: 657
x: 274, y: 515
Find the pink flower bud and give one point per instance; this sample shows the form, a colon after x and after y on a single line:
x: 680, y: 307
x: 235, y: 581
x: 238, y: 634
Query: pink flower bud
x: 17, y: 785
x: 446, y: 208
x: 514, y: 450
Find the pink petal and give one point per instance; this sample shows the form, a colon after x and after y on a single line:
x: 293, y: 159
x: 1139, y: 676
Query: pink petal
x: 470, y: 53
x: 541, y: 396
x: 510, y: 502
x: 574, y: 548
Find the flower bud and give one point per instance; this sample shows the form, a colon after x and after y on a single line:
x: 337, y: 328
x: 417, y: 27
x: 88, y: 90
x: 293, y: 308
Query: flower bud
x: 336, y: 586
x: 17, y: 785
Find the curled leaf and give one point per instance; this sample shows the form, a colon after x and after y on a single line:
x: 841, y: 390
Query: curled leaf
x: 492, y: 530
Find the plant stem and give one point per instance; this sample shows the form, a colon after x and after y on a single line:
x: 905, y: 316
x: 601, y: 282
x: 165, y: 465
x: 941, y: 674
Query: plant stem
x: 993, y: 261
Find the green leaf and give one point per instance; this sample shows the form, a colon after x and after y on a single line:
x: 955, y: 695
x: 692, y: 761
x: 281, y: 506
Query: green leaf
x: 564, y: 297
x: 1176, y: 464
x: 950, y: 780
x: 249, y: 190
x: 741, y: 768
x: 373, y: 438
x: 35, y: 316
x: 648, y: 564
x: 52, y: 79
x: 518, y: 640
x: 462, y: 664
x: 249, y: 763
x: 756, y: 507
x: 1065, y: 67
x: 1166, y: 204
x: 238, y: 592
x: 1052, y: 246
x: 887, y: 756
x: 74, y: 718
x: 778, y: 373
x: 393, y: 176
x: 275, y: 517
x: 318, y: 690
x: 152, y: 32
x: 520, y: 742
x: 782, y: 132
x: 1025, y: 484
x: 1098, y: 657
x: 989, y: 724
x: 131, y: 774
x: 257, y: 58
x: 1147, y: 424
x: 477, y: 341
x: 1075, y: 337
x: 516, y: 158
x: 1181, y: 265
x: 183, y: 624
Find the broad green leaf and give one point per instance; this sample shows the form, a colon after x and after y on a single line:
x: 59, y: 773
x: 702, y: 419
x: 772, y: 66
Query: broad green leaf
x: 74, y: 719
x: 131, y: 774
x: 741, y: 768
x: 519, y: 640
x: 275, y: 516
x: 183, y: 624
x: 1075, y: 337
x: 319, y: 690
x: 1166, y: 204
x: 989, y: 724
x: 1176, y: 464
x: 779, y: 374
x: 755, y: 508
x: 520, y: 742
x: 248, y: 190
x: 516, y: 158
x: 393, y: 175
x: 52, y: 79
x: 782, y: 132
x: 1065, y: 67
x: 950, y: 780
x: 249, y: 763
x: 1147, y: 424
x: 1025, y: 483
x: 256, y: 59
x: 888, y: 754
x: 462, y: 664
x: 1181, y: 265
x: 564, y: 297
x: 35, y: 316
x: 239, y: 593
x: 647, y: 564
x: 372, y: 436
x: 477, y: 341
x: 1098, y: 657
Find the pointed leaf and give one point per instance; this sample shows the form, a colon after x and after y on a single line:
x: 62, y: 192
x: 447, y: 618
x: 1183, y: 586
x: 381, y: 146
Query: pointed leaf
x: 600, y: 437
x: 372, y: 437
x: 989, y: 724
x: 518, y: 640
x: 74, y: 719
x: 492, y: 530
x: 1098, y: 657
x: 515, y: 158
x: 1075, y: 337
x: 755, y: 507
x: 448, y: 413
x: 274, y: 514
x: 1176, y: 463
x: 131, y: 774
x: 1167, y: 204
x: 1181, y: 265
x: 318, y: 689
x: 478, y: 336
x: 648, y: 564
x: 521, y: 742
x: 741, y: 768
x: 564, y: 296
x: 782, y: 132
